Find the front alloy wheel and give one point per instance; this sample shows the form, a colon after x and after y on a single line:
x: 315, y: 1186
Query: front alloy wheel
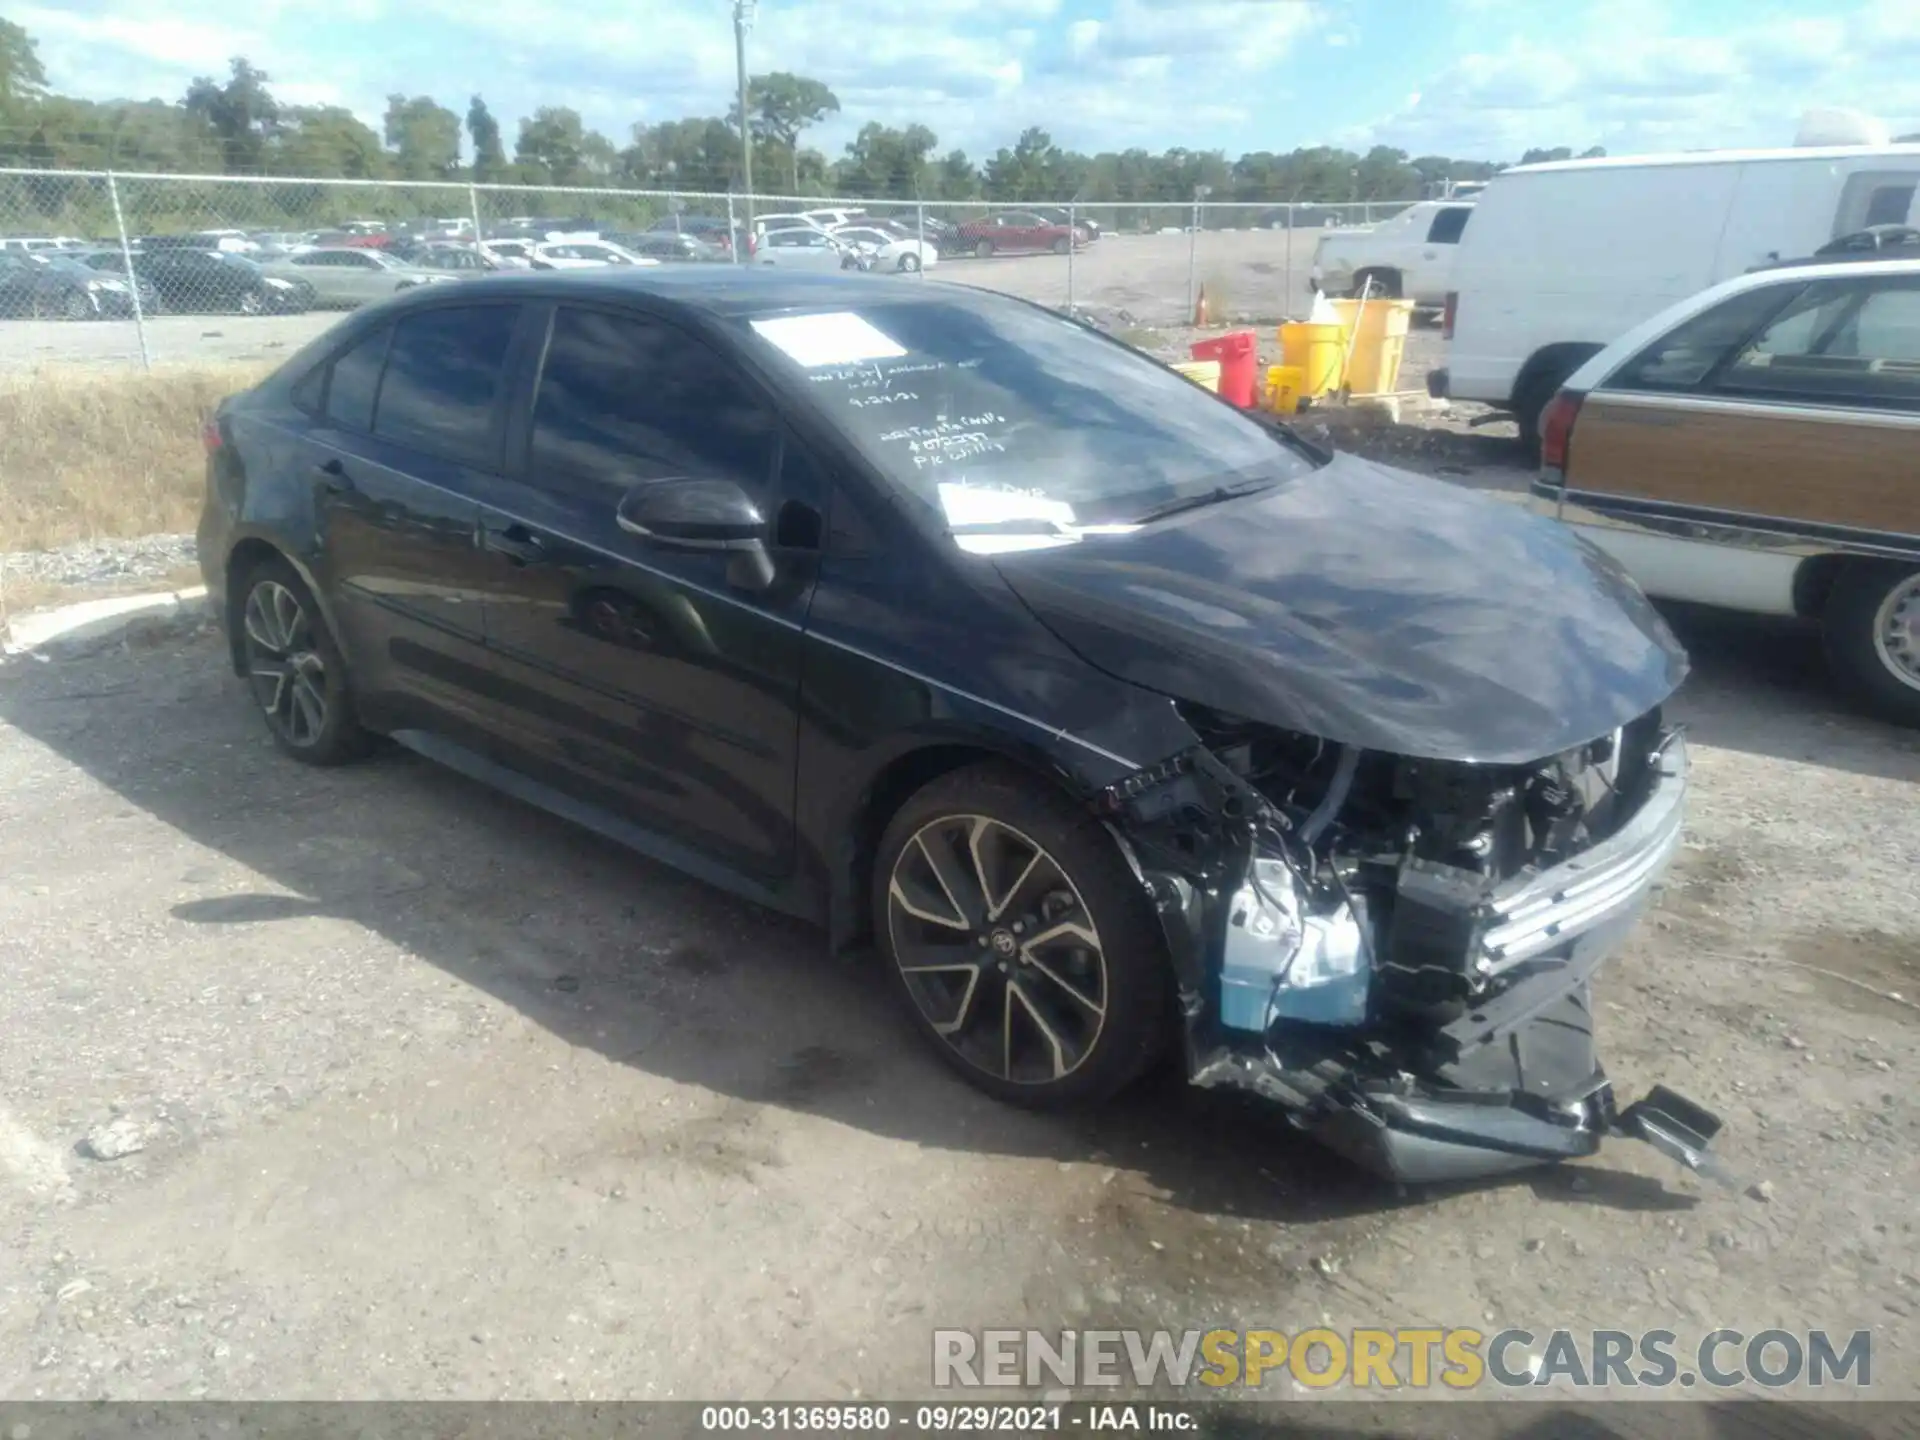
x: 1019, y: 939
x: 295, y: 671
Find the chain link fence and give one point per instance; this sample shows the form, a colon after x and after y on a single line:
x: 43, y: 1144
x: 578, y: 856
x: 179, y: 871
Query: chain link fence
x: 105, y: 269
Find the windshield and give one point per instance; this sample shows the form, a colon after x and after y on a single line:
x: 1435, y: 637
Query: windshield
x: 1001, y: 416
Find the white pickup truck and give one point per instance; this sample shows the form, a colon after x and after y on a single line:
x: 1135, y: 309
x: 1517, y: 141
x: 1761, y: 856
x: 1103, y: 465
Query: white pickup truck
x: 1409, y: 256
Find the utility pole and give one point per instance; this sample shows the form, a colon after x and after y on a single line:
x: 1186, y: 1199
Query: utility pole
x: 742, y: 23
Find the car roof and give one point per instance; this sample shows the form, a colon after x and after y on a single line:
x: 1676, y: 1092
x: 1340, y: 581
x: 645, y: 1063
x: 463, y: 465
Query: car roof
x: 1644, y: 334
x: 724, y: 291
x: 1722, y: 157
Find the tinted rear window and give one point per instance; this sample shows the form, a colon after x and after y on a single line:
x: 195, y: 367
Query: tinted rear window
x: 443, y: 378
x: 355, y: 381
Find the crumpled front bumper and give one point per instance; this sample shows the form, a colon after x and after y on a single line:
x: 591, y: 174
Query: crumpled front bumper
x: 1514, y: 1080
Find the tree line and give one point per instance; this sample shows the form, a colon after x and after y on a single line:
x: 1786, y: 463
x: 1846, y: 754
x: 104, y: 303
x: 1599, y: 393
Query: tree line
x: 233, y: 125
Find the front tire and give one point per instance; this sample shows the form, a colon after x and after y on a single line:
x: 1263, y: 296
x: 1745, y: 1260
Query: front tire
x: 1872, y: 625
x: 1062, y: 245
x: 909, y: 263
x: 1022, y: 946
x: 76, y: 306
x: 252, y: 302
x: 984, y: 249
x: 294, y: 669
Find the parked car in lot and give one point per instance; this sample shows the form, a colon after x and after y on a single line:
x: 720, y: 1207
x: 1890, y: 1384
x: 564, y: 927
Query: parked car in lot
x: 190, y: 280
x: 457, y: 258
x: 29, y: 244
x: 883, y: 250
x: 53, y: 284
x: 1017, y: 232
x: 950, y: 623
x: 509, y: 254
x: 667, y: 245
x: 1060, y: 215
x: 1563, y: 258
x: 714, y: 229
x: 348, y: 276
x: 584, y: 254
x: 804, y: 247
x: 1410, y: 255
x: 1758, y: 447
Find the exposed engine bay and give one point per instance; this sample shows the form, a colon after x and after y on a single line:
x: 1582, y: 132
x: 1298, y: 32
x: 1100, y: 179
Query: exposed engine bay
x: 1399, y: 950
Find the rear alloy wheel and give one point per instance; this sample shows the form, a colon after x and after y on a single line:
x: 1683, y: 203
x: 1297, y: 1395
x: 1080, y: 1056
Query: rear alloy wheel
x: 1872, y: 627
x: 1020, y: 941
x: 984, y: 249
x: 909, y: 262
x: 252, y: 302
x: 295, y: 670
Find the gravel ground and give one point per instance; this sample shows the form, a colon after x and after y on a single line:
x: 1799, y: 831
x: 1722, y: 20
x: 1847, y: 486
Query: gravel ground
x: 373, y: 1083
x: 100, y: 562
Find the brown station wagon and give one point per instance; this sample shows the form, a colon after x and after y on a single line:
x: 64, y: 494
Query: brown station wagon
x: 1758, y: 447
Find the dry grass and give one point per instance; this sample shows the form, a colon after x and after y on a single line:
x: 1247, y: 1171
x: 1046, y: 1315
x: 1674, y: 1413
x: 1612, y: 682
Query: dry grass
x: 90, y: 455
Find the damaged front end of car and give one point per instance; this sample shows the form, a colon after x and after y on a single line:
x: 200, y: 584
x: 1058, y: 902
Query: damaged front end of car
x: 1399, y: 951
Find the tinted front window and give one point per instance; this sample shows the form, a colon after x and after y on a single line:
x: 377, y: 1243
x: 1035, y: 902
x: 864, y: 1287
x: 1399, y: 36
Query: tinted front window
x: 624, y: 399
x: 443, y: 377
x: 987, y: 408
x: 356, y: 379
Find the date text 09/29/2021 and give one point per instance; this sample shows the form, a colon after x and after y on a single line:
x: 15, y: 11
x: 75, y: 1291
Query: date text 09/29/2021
x: 951, y: 1419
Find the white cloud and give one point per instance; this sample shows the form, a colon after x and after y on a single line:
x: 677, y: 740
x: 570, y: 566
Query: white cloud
x: 1637, y: 79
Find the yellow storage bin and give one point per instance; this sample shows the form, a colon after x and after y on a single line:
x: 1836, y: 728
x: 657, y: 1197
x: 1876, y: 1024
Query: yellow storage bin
x: 1282, y: 393
x: 1376, y: 342
x: 1201, y: 372
x: 1318, y: 352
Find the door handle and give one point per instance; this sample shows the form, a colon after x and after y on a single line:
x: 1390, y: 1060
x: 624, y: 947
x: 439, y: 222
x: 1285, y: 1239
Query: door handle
x: 333, y: 477
x: 519, y: 544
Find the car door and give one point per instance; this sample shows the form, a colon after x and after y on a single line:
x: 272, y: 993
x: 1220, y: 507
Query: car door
x: 1789, y: 413
x: 408, y: 423
x: 658, y: 682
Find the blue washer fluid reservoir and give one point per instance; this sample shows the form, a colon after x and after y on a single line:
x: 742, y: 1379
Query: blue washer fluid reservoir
x: 1284, y: 963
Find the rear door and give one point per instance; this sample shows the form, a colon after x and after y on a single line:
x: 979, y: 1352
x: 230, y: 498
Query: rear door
x: 657, y: 682
x: 1786, y: 415
x: 408, y: 424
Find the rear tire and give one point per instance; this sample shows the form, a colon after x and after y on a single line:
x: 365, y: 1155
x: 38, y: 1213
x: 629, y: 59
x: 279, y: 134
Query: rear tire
x: 983, y: 249
x: 1872, y: 627
x: 909, y: 263
x: 1062, y: 246
x: 1386, y: 284
x: 76, y: 306
x: 252, y: 302
x: 294, y: 669
x: 1052, y: 994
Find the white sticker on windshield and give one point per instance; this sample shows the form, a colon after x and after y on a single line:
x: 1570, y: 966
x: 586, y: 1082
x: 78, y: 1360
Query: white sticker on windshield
x: 837, y: 338
x: 984, y: 505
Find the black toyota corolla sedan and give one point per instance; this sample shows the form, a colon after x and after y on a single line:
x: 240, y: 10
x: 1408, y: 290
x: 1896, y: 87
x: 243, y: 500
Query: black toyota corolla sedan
x: 1113, y: 719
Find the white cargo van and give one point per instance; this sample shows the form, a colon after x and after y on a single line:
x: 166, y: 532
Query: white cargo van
x: 1562, y: 258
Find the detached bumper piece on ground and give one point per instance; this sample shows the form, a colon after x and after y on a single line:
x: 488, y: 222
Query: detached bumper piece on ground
x: 1402, y: 959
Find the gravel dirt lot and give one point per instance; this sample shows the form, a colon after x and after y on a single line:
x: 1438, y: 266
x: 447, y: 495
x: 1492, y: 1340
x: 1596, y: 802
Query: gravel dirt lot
x: 372, y: 1083
x: 423, y: 1094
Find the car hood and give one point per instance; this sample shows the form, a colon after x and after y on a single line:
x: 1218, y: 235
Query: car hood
x: 1370, y: 607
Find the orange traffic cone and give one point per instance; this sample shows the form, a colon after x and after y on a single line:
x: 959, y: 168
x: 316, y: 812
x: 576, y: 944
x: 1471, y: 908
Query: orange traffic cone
x: 1200, y: 317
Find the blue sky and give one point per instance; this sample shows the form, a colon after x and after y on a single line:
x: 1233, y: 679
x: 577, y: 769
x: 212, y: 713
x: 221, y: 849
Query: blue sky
x: 1472, y: 78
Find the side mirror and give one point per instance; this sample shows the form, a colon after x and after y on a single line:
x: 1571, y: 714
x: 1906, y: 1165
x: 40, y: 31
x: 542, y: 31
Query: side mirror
x: 687, y: 513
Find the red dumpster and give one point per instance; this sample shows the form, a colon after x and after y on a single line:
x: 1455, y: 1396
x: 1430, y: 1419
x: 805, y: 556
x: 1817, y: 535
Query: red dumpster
x: 1238, y: 355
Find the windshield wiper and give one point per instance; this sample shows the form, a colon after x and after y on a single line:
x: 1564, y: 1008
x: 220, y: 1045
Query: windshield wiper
x: 1205, y: 497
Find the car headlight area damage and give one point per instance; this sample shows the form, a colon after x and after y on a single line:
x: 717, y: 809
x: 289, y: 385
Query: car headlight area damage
x: 1398, y: 950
